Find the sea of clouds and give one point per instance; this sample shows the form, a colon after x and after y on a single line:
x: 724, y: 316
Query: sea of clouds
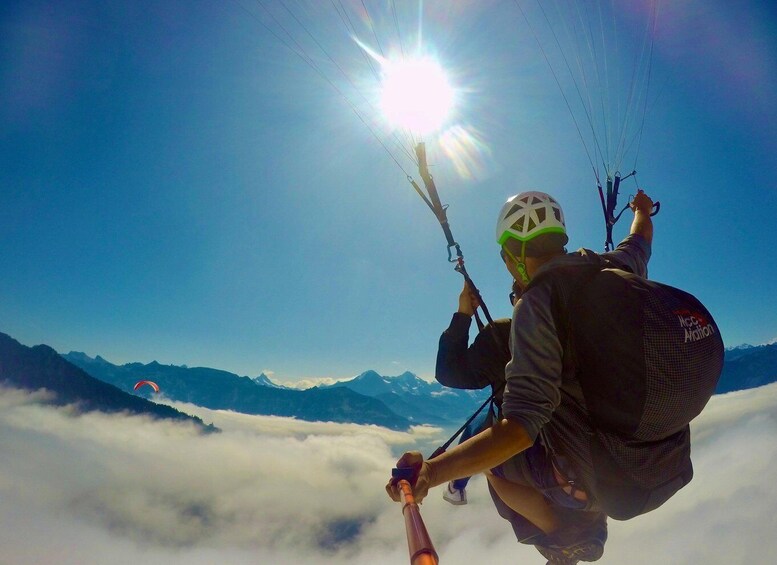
x: 117, y: 490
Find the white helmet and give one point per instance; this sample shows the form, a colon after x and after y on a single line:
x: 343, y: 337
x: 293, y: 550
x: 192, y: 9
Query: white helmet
x: 527, y: 216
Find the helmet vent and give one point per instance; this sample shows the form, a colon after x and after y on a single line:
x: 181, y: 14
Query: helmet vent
x: 541, y: 214
x: 532, y: 224
x: 557, y: 213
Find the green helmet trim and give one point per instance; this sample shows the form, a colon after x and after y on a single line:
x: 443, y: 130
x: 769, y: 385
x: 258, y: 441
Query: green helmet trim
x: 510, y: 235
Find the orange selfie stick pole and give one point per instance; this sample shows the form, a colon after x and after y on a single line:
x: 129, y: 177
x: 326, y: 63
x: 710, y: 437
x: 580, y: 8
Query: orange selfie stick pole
x: 418, y: 542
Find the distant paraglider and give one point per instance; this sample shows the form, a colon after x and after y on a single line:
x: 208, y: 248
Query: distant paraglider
x: 149, y: 383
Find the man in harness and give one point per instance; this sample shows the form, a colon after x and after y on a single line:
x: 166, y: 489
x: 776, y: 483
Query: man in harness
x: 537, y: 454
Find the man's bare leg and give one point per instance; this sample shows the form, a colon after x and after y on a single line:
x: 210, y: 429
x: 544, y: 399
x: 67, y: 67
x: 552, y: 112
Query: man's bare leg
x: 526, y: 501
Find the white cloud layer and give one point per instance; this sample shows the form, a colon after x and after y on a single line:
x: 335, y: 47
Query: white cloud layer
x: 124, y: 490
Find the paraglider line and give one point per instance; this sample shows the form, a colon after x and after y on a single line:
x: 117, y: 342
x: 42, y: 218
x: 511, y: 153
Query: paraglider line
x: 647, y: 87
x: 396, y: 25
x: 588, y: 34
x: 372, y: 28
x: 633, y: 103
x: 351, y: 30
x: 328, y: 56
x: 605, y: 100
x: 574, y: 81
x: 323, y: 75
x: 558, y: 83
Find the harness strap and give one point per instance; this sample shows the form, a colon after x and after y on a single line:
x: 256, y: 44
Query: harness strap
x: 432, y: 200
x: 490, y: 400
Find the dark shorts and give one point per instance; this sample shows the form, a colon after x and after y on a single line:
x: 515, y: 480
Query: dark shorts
x: 534, y: 468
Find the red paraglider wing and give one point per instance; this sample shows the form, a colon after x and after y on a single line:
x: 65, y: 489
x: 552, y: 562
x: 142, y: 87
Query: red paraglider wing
x: 149, y: 383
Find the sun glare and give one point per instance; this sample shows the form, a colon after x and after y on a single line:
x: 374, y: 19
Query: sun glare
x: 416, y: 95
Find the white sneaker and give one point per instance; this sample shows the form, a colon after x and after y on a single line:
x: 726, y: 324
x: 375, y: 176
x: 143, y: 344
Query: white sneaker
x: 454, y: 495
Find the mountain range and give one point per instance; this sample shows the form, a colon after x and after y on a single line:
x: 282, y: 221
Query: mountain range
x: 222, y: 390
x: 748, y: 367
x: 40, y: 367
x: 369, y: 398
x: 395, y: 402
x: 418, y: 400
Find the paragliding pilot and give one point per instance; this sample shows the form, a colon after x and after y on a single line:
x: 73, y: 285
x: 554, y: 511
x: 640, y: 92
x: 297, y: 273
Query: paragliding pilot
x: 600, y: 385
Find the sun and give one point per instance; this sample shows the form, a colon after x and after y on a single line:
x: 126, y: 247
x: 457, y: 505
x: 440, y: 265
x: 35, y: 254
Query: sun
x: 416, y: 95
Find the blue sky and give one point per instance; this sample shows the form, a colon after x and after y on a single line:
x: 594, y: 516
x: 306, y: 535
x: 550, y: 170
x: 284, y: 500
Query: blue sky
x: 176, y: 184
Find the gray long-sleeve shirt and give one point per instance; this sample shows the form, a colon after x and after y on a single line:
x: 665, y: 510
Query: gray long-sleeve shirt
x: 537, y: 368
